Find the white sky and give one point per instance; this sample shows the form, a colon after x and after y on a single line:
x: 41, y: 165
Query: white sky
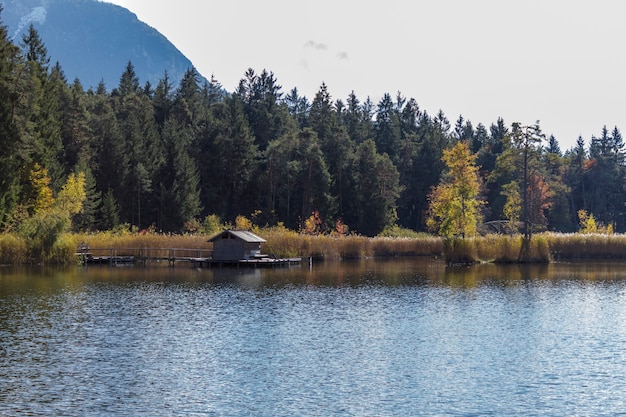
x: 561, y: 62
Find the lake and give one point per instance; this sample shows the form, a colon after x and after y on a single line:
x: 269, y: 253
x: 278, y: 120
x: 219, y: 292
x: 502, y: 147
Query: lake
x: 399, y: 337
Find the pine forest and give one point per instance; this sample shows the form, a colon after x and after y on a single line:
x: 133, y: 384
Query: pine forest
x: 172, y: 157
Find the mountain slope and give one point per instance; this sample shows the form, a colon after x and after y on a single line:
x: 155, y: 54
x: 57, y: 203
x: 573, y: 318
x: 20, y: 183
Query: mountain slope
x: 94, y: 41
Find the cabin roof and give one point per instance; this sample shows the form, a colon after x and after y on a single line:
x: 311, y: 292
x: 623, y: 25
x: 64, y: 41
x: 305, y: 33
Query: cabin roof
x: 243, y: 235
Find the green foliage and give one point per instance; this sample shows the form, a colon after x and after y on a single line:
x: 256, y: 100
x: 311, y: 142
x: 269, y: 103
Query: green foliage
x: 162, y: 159
x: 12, y: 249
x: 513, y: 206
x: 397, y: 231
x: 212, y: 224
x: 376, y: 188
x: 110, y: 216
x: 41, y: 232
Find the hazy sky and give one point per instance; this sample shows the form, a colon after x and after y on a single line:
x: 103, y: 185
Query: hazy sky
x: 562, y: 62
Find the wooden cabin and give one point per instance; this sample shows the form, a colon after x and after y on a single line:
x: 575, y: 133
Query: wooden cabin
x: 236, y: 245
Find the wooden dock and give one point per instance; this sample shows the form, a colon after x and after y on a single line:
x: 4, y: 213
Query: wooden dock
x: 247, y: 263
x: 197, y: 258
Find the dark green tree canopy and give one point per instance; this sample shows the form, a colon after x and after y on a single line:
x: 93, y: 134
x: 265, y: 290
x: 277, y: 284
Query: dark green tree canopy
x: 167, y: 155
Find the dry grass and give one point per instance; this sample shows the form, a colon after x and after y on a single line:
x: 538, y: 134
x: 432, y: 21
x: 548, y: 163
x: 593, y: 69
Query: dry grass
x: 587, y: 245
x: 286, y: 243
x: 282, y: 243
x: 12, y: 249
x: 497, y: 249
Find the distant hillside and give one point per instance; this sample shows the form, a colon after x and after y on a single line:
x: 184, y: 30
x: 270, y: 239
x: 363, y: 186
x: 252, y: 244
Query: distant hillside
x: 94, y: 41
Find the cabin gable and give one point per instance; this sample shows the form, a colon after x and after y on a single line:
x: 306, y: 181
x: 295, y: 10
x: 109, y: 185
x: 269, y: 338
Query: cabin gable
x: 233, y: 245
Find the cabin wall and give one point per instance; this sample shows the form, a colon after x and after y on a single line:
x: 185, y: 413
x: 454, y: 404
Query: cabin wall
x: 228, y: 250
x: 233, y: 250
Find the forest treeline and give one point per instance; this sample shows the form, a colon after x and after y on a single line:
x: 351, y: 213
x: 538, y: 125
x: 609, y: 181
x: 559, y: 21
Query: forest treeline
x: 167, y: 156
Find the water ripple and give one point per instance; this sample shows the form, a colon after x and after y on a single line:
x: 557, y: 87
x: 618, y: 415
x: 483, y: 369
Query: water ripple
x: 162, y: 347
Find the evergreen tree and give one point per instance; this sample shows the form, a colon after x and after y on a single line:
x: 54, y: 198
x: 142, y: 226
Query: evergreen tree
x: 387, y: 127
x: 323, y: 118
x: 42, y: 130
x: 142, y: 146
x: 10, y: 144
x: 129, y: 82
x: 605, y: 175
x: 299, y: 179
x: 162, y: 101
x: 111, y: 163
x: 526, y: 141
x: 179, y: 187
x: 496, y: 142
x: 299, y: 107
x: 376, y: 183
x: 228, y: 160
x: 432, y: 138
x: 267, y: 115
x: 87, y: 218
x: 75, y: 129
x: 559, y: 215
x: 110, y: 212
x: 214, y: 92
x: 358, y: 119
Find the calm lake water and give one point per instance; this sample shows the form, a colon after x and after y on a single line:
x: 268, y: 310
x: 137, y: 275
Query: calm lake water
x: 405, y: 337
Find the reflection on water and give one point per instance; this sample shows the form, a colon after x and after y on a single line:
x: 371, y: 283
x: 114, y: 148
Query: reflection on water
x: 374, y: 337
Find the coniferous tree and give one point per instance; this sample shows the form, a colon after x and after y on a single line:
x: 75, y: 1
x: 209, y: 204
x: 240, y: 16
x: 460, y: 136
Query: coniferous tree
x: 358, y: 119
x: 299, y: 107
x: 322, y: 117
x: 10, y: 158
x: 110, y: 212
x: 283, y: 169
x: 387, y: 126
x: 228, y: 160
x: 42, y: 130
x: 110, y: 160
x: 432, y: 139
x: 300, y: 182
x: 214, y: 92
x: 87, y: 218
x: 162, y: 101
x: 135, y: 115
x: 179, y: 187
x: 526, y: 141
x: 75, y: 129
x: 605, y: 174
x: 262, y: 103
x: 376, y: 190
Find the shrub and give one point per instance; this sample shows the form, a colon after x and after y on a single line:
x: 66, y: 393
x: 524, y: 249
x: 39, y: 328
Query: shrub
x: 12, y: 249
x: 460, y: 251
x: 41, y: 232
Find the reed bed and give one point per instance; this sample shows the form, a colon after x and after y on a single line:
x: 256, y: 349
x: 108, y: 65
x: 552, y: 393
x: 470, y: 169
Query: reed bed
x: 143, y: 240
x: 285, y: 243
x: 497, y: 249
x: 587, y: 245
x: 12, y: 249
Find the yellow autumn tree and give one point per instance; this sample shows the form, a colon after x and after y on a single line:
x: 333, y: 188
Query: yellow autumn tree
x: 42, y: 193
x: 42, y: 230
x: 454, y: 204
x: 72, y: 195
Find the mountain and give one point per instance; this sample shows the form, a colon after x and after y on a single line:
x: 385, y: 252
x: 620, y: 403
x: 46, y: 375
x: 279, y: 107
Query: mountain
x: 94, y: 40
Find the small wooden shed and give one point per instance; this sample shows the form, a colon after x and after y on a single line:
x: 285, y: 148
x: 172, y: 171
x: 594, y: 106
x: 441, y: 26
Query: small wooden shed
x: 236, y: 245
